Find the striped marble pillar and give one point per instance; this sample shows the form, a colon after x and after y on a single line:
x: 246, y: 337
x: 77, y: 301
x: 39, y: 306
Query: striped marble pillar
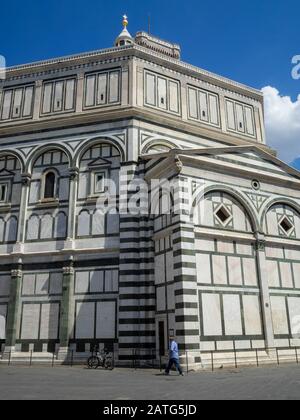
x: 136, y: 327
x: 185, y: 277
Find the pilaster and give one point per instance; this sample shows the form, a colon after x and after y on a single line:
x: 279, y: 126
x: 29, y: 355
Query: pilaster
x: 67, y: 307
x: 185, y: 277
x: 23, y: 208
x: 13, y: 310
x: 37, y: 99
x: 79, y: 92
x: 136, y: 275
x: 72, y: 206
x: 264, y: 288
x: 125, y: 86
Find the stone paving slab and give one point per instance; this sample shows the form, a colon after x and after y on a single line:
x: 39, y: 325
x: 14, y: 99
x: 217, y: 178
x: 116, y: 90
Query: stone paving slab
x: 79, y: 383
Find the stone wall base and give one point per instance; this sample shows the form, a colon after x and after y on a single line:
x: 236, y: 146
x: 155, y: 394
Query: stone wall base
x: 208, y: 361
x: 251, y: 358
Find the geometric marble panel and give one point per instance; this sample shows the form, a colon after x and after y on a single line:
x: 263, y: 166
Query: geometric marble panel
x: 106, y: 320
x: 252, y: 317
x: 3, y: 309
x: 211, y: 314
x: 85, y: 320
x: 279, y: 315
x: 30, y: 322
x: 232, y: 315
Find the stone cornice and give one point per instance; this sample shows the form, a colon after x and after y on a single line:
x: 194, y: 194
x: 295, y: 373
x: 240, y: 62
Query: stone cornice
x: 230, y: 168
x: 191, y: 159
x: 93, y: 58
x: 66, y: 62
x: 120, y: 113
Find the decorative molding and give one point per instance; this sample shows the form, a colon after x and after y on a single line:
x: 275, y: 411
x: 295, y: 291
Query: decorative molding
x: 73, y: 144
x: 54, y: 71
x: 260, y: 245
x: 26, y: 178
x: 130, y: 51
x: 178, y: 163
x: 258, y: 200
x: 121, y: 137
x: 210, y: 85
x: 16, y: 273
x: 39, y: 83
x: 74, y: 173
x: 158, y: 45
x: 68, y: 270
x: 27, y: 150
x: 145, y: 137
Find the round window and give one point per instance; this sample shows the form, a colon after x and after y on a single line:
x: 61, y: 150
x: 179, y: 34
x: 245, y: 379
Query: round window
x: 255, y: 184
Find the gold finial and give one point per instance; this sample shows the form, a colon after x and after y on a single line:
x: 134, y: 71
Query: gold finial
x: 125, y: 21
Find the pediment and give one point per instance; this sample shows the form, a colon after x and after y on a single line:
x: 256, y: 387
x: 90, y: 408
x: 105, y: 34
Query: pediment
x: 251, y: 158
x: 6, y: 173
x: 250, y: 161
x: 100, y: 162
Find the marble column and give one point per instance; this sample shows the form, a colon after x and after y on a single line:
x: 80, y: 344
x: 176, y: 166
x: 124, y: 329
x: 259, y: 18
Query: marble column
x: 67, y: 307
x: 72, y: 208
x: 13, y: 310
x: 23, y: 212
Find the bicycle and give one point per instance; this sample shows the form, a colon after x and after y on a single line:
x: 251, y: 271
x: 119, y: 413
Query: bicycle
x: 102, y: 359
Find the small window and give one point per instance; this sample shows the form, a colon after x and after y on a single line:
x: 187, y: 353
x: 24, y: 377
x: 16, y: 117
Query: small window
x: 286, y: 225
x: 99, y: 182
x: 255, y: 185
x: 49, y: 190
x: 3, y: 193
x: 223, y: 215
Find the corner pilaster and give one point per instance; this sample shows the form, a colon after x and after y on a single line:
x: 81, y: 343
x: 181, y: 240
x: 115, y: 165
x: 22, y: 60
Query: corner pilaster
x: 185, y: 277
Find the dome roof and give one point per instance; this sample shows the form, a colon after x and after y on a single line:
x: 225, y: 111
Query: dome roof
x: 124, y: 38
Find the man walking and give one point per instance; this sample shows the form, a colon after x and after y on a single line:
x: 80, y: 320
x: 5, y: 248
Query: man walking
x: 173, y: 357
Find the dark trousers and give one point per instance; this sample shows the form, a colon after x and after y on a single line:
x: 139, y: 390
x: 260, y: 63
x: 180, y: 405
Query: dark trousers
x: 174, y: 362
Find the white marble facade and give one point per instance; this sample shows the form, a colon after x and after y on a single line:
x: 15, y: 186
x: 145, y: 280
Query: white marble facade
x: 222, y: 272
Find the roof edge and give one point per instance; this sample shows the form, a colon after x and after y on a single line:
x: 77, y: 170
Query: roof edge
x: 135, y: 48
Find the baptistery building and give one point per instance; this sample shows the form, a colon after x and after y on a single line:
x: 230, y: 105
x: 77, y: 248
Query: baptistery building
x: 207, y: 250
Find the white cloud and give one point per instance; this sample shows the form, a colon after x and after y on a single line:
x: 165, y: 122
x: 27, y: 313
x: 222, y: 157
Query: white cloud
x: 282, y: 118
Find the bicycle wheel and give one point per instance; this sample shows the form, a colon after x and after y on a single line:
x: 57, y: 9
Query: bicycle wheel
x: 93, y: 362
x: 108, y: 364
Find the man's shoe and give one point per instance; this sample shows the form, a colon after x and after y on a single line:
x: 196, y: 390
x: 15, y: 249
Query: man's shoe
x: 181, y: 374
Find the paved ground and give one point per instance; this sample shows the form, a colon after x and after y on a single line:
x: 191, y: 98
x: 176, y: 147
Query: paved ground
x: 126, y: 384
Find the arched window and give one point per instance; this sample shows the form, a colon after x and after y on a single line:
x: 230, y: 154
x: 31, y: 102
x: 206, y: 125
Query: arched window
x: 49, y: 187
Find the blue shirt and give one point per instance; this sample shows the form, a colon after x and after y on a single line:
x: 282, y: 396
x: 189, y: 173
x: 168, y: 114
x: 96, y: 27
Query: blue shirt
x: 174, y: 353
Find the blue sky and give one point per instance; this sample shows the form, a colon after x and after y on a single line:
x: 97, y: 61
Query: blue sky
x: 249, y: 41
